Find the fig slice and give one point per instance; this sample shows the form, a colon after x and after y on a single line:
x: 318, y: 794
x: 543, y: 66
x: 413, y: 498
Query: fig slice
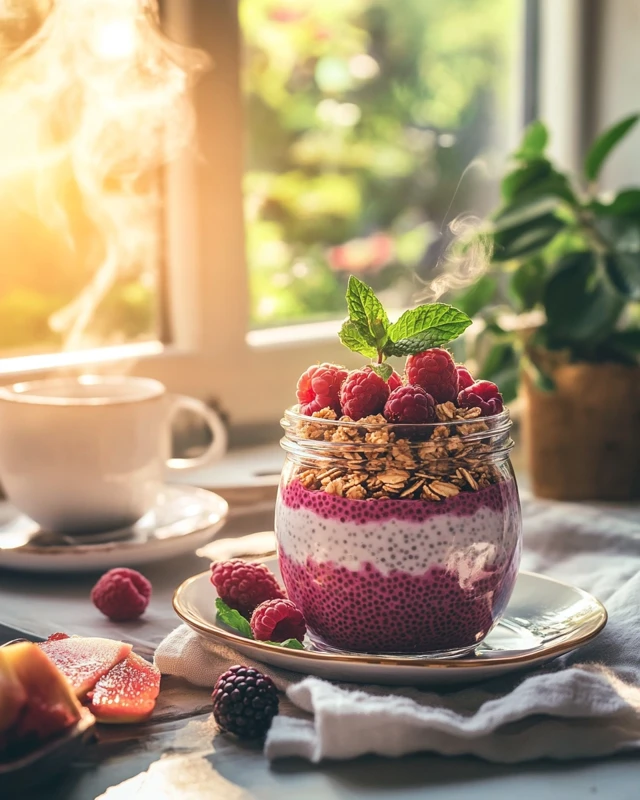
x: 127, y: 693
x: 84, y: 660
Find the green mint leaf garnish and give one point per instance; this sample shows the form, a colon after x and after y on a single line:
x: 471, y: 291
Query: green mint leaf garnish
x: 290, y: 644
x: 383, y: 370
x: 233, y: 619
x: 351, y: 337
x: 367, y: 313
x: 424, y: 327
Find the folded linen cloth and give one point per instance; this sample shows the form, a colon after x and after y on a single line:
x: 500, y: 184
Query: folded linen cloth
x: 584, y: 704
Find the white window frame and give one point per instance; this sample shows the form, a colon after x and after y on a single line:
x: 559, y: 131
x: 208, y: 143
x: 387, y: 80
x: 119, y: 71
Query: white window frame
x: 212, y: 354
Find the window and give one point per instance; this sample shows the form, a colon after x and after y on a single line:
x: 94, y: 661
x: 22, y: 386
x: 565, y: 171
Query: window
x: 331, y: 138
x: 361, y: 118
x: 80, y: 229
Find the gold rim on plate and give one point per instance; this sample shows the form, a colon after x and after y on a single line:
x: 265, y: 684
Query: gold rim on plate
x: 567, y: 644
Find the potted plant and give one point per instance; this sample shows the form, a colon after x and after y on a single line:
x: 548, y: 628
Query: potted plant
x: 566, y: 260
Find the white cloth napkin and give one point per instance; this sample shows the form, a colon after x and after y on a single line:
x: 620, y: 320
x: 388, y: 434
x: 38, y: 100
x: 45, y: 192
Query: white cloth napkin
x: 585, y: 704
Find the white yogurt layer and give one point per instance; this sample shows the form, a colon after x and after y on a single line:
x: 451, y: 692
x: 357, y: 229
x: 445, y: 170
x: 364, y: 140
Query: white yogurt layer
x: 466, y: 543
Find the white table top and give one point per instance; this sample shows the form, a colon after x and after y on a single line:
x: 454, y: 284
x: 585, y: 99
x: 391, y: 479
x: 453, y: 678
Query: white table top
x: 183, y: 757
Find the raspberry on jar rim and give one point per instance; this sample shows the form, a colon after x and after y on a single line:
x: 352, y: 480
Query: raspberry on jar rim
x: 363, y: 393
x: 484, y: 395
x: 410, y: 404
x: 435, y: 371
x: 319, y: 387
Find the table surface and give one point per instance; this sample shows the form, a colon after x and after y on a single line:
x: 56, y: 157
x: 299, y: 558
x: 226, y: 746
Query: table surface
x: 180, y: 754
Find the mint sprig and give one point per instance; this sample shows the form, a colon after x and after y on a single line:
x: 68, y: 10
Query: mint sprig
x: 234, y: 619
x: 368, y: 331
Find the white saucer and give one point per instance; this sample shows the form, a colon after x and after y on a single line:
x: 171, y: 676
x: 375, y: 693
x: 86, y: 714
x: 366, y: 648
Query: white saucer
x: 545, y: 618
x: 183, y: 519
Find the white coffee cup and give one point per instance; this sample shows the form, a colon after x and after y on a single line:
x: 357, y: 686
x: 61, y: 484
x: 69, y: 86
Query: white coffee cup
x: 90, y: 454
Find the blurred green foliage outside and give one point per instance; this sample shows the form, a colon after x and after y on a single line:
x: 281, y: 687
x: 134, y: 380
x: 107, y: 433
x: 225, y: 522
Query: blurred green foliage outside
x: 362, y: 116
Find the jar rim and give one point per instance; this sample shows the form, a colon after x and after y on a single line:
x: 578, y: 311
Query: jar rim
x: 494, y: 433
x: 495, y: 422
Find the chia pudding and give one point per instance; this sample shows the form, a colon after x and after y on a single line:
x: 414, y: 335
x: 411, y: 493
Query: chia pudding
x: 393, y: 544
x: 399, y: 576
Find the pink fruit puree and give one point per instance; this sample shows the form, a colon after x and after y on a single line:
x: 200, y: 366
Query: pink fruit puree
x: 399, y: 576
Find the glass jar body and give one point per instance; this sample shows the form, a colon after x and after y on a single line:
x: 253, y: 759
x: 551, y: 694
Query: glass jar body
x: 410, y: 545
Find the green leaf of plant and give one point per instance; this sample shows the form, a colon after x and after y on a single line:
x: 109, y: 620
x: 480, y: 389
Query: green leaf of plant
x: 579, y: 303
x: 540, y: 379
x: 383, y: 370
x: 626, y: 203
x: 515, y: 215
x: 233, y: 619
x: 535, y: 179
x: 366, y: 312
x: 604, y: 144
x: 290, y: 644
x: 477, y: 296
x: 624, y: 273
x: 527, y: 283
x: 424, y: 327
x: 534, y: 141
x: 526, y: 239
x: 351, y: 337
x: 501, y: 356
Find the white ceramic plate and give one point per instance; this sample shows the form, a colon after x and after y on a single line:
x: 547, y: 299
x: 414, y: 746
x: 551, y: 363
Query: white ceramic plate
x: 183, y: 519
x: 545, y: 619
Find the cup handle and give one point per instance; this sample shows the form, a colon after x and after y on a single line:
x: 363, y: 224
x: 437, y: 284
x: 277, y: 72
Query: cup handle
x: 218, y: 446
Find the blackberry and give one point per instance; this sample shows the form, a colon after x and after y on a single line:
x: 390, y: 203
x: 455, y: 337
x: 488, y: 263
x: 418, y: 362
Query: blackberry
x: 244, y: 702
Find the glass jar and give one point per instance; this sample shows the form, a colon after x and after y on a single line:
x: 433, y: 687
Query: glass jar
x: 399, y: 538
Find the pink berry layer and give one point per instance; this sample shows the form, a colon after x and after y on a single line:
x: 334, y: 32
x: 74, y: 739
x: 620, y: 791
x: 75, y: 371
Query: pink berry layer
x: 369, y: 612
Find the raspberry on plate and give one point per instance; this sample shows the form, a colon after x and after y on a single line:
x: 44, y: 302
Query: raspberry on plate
x: 484, y: 395
x: 410, y: 404
x: 243, y: 585
x: 277, y: 621
x: 465, y: 378
x: 435, y: 371
x: 363, y: 393
x: 244, y: 702
x: 319, y: 387
x: 121, y: 594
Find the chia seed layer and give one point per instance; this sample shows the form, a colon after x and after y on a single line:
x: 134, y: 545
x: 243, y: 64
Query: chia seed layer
x: 409, y: 535
x: 367, y: 611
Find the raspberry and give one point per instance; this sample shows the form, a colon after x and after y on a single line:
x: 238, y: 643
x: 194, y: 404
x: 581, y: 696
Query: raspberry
x: 363, y: 393
x: 56, y: 637
x: 410, y: 404
x: 244, y: 702
x: 278, y: 620
x: 465, y: 378
x: 319, y: 387
x: 435, y: 371
x: 243, y: 586
x: 484, y: 395
x: 121, y: 594
x: 394, y: 381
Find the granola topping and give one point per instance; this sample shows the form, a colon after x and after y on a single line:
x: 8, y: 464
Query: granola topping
x: 376, y: 463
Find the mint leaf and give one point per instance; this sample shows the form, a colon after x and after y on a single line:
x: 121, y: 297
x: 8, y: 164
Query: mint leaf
x: 367, y: 313
x: 290, y: 644
x: 424, y: 327
x: 233, y: 619
x: 604, y: 144
x: 385, y: 371
x: 351, y: 337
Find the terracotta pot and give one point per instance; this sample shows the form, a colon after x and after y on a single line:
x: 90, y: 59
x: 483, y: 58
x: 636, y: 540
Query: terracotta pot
x: 583, y: 439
